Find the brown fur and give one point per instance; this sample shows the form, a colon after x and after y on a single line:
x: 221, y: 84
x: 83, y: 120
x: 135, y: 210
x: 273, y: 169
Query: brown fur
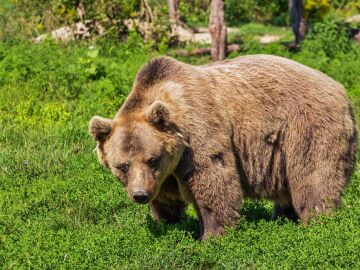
x: 258, y: 126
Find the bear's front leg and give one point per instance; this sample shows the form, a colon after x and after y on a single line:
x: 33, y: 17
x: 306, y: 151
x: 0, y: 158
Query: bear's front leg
x: 209, y: 223
x: 168, y: 205
x: 287, y: 211
x: 217, y: 195
x: 169, y: 211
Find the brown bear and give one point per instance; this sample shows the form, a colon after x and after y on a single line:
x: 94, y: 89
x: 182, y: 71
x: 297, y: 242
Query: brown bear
x: 257, y: 126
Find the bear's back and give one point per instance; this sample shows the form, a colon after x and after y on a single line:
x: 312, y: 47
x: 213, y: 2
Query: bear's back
x: 260, y: 85
x: 280, y: 73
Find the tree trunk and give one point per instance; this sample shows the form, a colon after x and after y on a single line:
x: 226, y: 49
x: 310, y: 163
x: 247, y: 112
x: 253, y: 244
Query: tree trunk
x: 298, y: 23
x: 174, y: 11
x: 217, y: 29
x: 80, y: 8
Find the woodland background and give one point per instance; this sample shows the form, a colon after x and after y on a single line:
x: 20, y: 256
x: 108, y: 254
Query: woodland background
x: 60, y: 209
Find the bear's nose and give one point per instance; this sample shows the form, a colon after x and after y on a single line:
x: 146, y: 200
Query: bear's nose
x: 140, y: 196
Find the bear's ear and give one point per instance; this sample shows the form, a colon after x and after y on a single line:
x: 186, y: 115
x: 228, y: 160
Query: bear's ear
x: 100, y: 128
x: 159, y: 114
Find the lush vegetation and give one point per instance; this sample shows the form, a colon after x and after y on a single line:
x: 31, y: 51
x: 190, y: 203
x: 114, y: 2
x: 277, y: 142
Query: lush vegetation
x: 59, y: 208
x: 32, y: 18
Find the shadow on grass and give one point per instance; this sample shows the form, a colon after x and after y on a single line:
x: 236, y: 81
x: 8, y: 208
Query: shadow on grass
x: 252, y: 211
x: 190, y: 225
x: 257, y: 211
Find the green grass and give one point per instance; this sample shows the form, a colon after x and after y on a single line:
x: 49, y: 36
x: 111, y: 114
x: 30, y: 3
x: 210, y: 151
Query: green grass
x: 252, y: 31
x: 60, y: 209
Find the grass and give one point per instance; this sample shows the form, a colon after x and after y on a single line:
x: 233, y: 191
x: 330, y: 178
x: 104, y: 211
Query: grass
x: 60, y: 209
x: 252, y: 31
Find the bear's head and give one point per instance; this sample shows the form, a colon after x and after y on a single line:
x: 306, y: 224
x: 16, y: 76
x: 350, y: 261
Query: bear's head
x: 141, y: 149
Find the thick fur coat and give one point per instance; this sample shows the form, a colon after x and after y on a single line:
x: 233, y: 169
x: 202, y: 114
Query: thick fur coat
x: 256, y: 126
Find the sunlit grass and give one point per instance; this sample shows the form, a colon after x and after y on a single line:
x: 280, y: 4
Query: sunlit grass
x: 60, y: 209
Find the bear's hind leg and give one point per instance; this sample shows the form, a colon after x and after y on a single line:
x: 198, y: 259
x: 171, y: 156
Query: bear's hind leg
x: 319, y: 160
x: 310, y: 201
x: 168, y: 205
x: 319, y: 189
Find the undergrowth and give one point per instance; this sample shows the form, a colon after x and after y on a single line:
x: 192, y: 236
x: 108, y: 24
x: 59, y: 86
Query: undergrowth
x: 60, y: 209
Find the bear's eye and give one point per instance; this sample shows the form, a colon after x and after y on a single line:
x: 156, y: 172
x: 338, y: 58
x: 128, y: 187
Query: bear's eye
x: 123, y: 167
x: 153, y: 162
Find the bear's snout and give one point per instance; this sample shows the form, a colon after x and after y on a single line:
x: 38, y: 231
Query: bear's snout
x: 140, y: 196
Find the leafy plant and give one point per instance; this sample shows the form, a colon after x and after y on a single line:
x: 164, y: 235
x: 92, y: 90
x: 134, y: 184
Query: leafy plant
x: 330, y: 36
x: 316, y: 10
x: 256, y: 10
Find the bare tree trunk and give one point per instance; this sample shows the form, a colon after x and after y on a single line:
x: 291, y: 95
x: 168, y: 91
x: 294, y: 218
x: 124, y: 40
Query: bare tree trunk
x: 174, y: 11
x: 298, y: 23
x: 146, y: 10
x: 80, y: 8
x: 217, y: 29
x: 178, y: 28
